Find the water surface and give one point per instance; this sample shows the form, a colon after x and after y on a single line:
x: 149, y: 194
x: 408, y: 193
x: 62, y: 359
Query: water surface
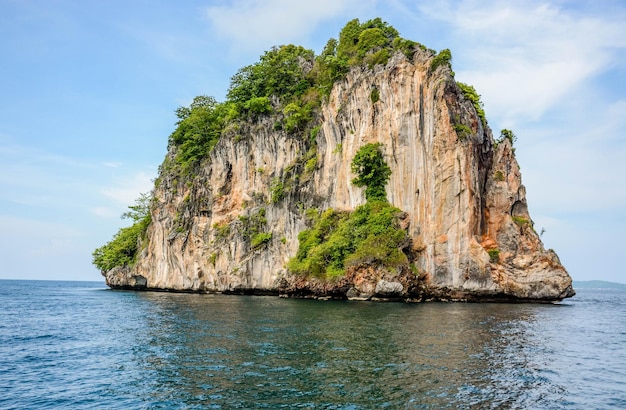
x: 79, y: 345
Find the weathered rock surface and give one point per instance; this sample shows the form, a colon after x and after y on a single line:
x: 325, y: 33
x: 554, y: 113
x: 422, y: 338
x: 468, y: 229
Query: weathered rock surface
x: 463, y: 197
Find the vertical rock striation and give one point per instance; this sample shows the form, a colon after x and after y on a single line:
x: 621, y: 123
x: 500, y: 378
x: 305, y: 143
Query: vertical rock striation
x: 472, y: 237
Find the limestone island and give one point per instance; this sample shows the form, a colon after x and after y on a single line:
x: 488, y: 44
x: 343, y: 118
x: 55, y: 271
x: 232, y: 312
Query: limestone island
x: 365, y: 173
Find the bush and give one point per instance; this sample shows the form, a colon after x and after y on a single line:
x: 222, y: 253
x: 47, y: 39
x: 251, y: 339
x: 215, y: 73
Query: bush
x: 339, y: 239
x: 370, y: 43
x: 520, y: 221
x: 260, y: 239
x: 122, y: 249
x: 279, y: 73
x: 221, y: 230
x: 375, y: 95
x: 372, y: 171
x: 253, y: 224
x: 198, y: 130
x: 407, y: 47
x: 469, y: 92
x: 296, y: 116
x: 462, y: 131
x: 506, y: 135
x: 258, y: 105
x: 277, y: 191
x: 444, y: 57
x: 494, y: 255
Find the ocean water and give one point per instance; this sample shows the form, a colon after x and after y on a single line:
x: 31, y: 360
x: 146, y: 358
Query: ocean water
x: 79, y: 345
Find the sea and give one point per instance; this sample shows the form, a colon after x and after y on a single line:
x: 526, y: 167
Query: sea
x: 79, y: 345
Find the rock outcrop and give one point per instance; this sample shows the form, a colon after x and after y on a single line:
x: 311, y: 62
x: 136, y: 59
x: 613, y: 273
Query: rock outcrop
x: 472, y: 237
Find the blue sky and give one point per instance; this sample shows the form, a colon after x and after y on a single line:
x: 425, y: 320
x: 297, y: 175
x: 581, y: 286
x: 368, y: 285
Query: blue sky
x: 89, y: 89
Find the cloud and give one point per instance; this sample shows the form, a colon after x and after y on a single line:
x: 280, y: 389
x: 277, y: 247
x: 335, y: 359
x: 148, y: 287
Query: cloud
x: 579, y: 168
x: 258, y: 25
x: 525, y: 57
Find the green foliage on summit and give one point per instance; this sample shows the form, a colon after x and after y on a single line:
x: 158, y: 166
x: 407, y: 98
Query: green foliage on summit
x: 199, y: 128
x: 443, y: 58
x: 370, y: 43
x: 289, y: 81
x: 279, y: 73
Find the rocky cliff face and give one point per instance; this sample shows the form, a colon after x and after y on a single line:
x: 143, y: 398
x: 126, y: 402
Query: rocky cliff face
x: 466, y: 213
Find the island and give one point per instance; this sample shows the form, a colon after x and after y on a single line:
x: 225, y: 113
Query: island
x: 366, y: 172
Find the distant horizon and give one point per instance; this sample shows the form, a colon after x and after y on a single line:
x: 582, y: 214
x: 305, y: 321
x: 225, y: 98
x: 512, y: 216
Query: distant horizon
x: 103, y: 281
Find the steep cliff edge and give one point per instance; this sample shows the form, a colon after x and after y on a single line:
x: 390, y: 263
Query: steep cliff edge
x: 232, y: 225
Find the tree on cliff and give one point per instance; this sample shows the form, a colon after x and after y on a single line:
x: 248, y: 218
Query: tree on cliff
x: 372, y: 171
x: 122, y: 249
x: 371, y: 234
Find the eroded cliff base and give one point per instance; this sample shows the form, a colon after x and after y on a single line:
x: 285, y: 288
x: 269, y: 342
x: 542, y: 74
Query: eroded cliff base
x: 363, y: 283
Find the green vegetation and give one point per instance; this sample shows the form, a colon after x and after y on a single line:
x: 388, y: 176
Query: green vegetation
x: 462, y: 131
x: 258, y: 105
x: 339, y: 239
x: 213, y: 258
x: 375, y: 95
x: 498, y: 176
x: 122, y: 249
x: 314, y: 133
x: 277, y: 190
x: 370, y: 43
x: 494, y: 255
x: 260, y: 239
x: 469, y: 92
x: 444, y: 57
x: 521, y: 221
x: 371, y: 234
x: 221, y: 230
x: 296, y: 116
x: 372, y: 171
x: 289, y: 80
x: 252, y: 229
x: 278, y: 73
x: 506, y: 135
x: 198, y: 130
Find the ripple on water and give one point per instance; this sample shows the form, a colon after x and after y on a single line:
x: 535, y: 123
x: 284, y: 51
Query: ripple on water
x: 84, y: 347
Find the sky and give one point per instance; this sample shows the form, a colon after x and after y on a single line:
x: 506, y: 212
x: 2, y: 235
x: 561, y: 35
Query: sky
x: 88, y: 91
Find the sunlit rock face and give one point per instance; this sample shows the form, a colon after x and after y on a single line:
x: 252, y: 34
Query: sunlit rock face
x: 472, y: 237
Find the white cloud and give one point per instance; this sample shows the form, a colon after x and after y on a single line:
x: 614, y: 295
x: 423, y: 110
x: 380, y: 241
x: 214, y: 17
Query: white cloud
x: 258, y: 25
x: 525, y: 57
x: 579, y: 168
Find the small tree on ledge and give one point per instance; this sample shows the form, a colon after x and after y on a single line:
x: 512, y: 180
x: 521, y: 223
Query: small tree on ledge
x: 372, y: 171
